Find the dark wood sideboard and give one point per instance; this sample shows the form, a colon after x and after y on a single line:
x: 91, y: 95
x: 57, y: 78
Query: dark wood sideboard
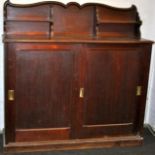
x: 75, y: 76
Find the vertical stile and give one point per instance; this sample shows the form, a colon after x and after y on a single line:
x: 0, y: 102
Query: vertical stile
x: 97, y: 19
x: 51, y: 21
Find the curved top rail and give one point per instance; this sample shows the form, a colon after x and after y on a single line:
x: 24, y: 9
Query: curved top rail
x: 132, y: 7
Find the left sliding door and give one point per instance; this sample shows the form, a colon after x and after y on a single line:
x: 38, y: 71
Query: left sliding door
x: 39, y: 91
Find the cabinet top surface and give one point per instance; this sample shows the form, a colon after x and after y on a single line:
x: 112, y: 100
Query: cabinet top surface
x: 76, y: 41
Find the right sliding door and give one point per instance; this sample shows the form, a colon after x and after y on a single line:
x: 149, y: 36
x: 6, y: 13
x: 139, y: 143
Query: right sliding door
x: 113, y: 89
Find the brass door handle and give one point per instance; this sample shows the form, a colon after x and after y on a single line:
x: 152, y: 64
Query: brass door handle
x: 81, y: 94
x: 139, y: 91
x: 11, y: 95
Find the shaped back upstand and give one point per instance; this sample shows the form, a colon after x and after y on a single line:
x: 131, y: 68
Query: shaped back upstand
x: 75, y: 76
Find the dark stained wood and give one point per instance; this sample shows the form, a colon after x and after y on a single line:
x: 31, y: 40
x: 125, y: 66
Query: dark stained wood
x: 53, y: 97
x: 56, y: 20
x: 9, y: 84
x: 103, y: 65
x: 67, y: 22
x: 117, y: 23
x: 33, y: 76
x: 75, y: 144
x: 34, y: 31
x: 112, y: 30
x: 115, y: 15
x: 78, y: 40
x: 35, y: 13
x: 145, y: 63
x: 53, y: 50
x: 45, y: 134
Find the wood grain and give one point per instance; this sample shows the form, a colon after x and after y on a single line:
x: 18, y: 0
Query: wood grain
x: 52, y: 51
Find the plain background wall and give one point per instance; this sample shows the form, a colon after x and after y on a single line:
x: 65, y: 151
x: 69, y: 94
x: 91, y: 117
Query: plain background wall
x: 1, y: 67
x: 147, y: 15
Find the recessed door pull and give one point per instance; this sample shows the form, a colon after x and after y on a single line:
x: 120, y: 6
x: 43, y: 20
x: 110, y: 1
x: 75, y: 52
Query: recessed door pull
x: 11, y: 95
x: 81, y: 94
x: 139, y: 91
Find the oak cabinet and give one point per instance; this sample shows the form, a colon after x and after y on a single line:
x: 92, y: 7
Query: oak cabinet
x: 68, y: 89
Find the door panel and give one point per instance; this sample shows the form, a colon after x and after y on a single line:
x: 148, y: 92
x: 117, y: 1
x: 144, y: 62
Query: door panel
x: 46, y: 79
x: 44, y: 89
x: 110, y: 101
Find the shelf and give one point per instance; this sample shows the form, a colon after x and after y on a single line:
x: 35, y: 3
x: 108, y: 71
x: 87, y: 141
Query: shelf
x: 118, y: 22
x: 28, y: 20
x: 76, y: 40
